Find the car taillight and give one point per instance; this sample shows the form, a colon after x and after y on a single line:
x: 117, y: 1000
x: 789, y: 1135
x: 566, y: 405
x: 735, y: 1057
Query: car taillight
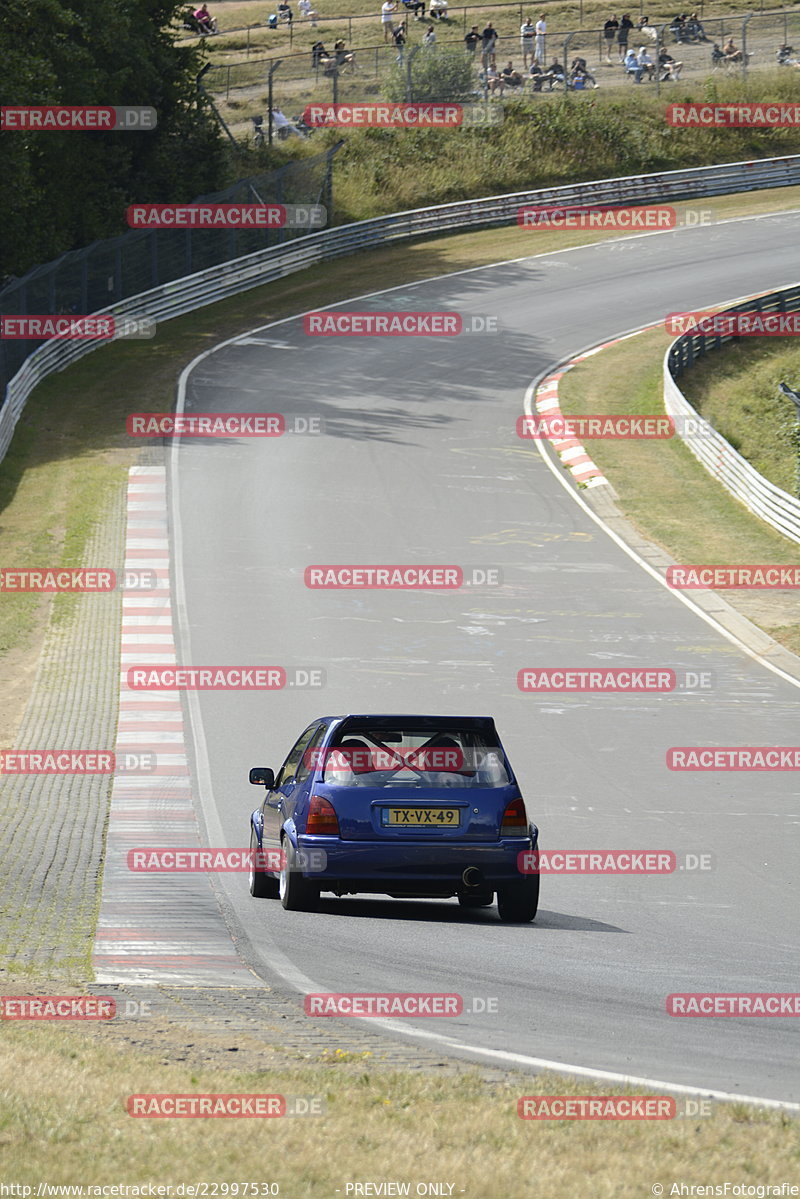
x: 514, y: 822
x: 322, y: 819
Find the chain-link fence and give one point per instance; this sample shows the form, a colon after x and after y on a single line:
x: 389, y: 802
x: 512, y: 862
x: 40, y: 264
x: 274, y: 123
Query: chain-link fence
x: 88, y: 280
x: 298, y: 81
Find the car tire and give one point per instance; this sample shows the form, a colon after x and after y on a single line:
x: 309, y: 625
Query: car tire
x: 482, y: 899
x: 518, y: 902
x: 297, y: 894
x: 262, y: 886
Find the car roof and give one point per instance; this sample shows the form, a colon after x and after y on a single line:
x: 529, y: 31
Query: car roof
x: 437, y: 722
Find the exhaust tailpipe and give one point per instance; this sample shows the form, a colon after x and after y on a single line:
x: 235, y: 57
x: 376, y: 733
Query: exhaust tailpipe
x: 472, y: 877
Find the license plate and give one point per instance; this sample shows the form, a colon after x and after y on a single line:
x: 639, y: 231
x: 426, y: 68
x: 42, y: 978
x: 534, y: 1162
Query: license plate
x: 436, y: 817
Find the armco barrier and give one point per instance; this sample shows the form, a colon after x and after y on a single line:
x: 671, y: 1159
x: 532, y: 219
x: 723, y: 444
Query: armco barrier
x: 220, y: 282
x: 718, y: 456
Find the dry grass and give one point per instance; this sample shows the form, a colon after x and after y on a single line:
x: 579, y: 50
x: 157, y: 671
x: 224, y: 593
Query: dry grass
x: 666, y: 493
x: 68, y: 1125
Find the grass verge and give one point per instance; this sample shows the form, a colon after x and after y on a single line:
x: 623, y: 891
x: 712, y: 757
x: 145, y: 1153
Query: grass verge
x: 69, y: 1125
x: 737, y: 391
x: 666, y: 493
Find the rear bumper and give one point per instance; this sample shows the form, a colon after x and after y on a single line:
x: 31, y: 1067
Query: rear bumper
x: 436, y: 868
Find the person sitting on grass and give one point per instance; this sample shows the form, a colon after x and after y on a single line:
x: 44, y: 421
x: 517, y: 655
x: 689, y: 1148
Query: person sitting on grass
x: 285, y: 13
x: 695, y: 29
x: 538, y: 77
x: 670, y: 69
x: 204, y: 19
x: 343, y: 56
x: 438, y: 10
x: 493, y: 81
x: 555, y: 73
x: 579, y: 70
x: 730, y: 51
x: 308, y: 13
x: 510, y: 77
x: 430, y: 36
x: 644, y: 65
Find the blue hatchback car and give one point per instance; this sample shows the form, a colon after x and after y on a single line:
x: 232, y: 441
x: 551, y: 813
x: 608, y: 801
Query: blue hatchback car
x: 406, y: 806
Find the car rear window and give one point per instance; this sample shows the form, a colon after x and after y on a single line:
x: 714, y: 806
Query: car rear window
x: 404, y: 756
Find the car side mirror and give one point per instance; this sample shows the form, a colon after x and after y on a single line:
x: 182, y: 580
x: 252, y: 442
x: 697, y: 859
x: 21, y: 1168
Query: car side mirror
x: 262, y: 776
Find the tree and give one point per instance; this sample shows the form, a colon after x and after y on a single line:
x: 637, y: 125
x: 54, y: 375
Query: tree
x: 435, y: 75
x: 61, y: 191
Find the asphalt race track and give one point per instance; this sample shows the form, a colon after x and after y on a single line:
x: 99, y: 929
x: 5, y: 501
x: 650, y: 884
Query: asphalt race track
x: 420, y: 463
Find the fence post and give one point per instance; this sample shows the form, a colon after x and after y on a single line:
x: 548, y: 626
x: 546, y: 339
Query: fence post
x: 744, y: 43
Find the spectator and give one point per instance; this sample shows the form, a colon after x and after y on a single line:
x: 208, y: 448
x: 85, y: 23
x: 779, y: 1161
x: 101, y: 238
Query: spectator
x: 716, y: 55
x: 678, y: 29
x: 343, y: 56
x: 555, y: 73
x: 695, y: 29
x: 494, y: 82
x: 541, y: 30
x: 609, y: 33
x: 631, y: 63
x: 670, y: 69
x: 205, y: 20
x: 625, y: 26
x: 319, y: 56
x: 285, y: 13
x: 579, y: 70
x: 417, y: 7
x: 526, y: 32
x: 644, y: 64
x: 644, y: 28
x: 785, y: 56
x: 308, y: 12
x: 430, y: 37
x: 510, y: 77
x: 489, y: 45
x: 388, y: 9
x: 438, y: 10
x: 538, y: 77
x: 730, y: 51
x: 471, y: 39
x: 399, y: 39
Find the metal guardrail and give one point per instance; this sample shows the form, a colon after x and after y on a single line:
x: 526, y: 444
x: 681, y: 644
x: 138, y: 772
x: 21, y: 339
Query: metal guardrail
x: 241, y: 274
x: 717, y: 455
